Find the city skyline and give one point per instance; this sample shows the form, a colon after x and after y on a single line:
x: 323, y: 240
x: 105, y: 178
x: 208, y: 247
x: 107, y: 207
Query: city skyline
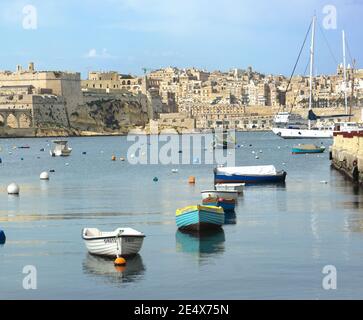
x: 86, y: 36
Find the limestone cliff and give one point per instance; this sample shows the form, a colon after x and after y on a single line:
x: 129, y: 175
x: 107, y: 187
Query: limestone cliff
x: 109, y: 115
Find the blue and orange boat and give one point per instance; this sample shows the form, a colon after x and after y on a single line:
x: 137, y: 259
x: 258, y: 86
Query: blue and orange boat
x: 249, y: 175
x: 227, y: 204
x: 307, y: 148
x: 199, y: 217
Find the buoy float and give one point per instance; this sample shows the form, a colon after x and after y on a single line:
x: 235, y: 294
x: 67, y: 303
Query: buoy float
x: 122, y: 159
x: 155, y: 179
x: 191, y: 180
x: 52, y: 170
x: 257, y: 157
x: 84, y: 152
x: 42, y: 150
x: 113, y: 158
x: 21, y: 159
x: 44, y: 176
x: 174, y: 170
x: 67, y: 164
x: 2, y: 237
x: 13, y: 188
x: 260, y: 151
x: 119, y: 261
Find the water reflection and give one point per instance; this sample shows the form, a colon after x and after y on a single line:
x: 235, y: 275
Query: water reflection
x: 230, y: 217
x: 203, y: 245
x: 103, y: 267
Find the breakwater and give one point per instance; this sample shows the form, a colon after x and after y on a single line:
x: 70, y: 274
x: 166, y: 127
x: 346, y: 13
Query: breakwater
x: 347, y: 154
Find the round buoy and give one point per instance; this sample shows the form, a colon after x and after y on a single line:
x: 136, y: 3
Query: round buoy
x: 21, y: 159
x: 13, y: 188
x: 120, y: 261
x: 122, y: 159
x: 257, y: 157
x: 42, y: 150
x: 52, y: 170
x: 44, y: 176
x: 84, y: 152
x: 174, y: 170
x: 155, y: 179
x: 113, y: 158
x: 2, y: 237
x: 191, y: 180
x: 260, y: 151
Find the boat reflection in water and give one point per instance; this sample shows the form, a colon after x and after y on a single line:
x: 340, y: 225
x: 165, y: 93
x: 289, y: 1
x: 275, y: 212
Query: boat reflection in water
x: 230, y: 217
x: 203, y: 245
x: 104, y: 267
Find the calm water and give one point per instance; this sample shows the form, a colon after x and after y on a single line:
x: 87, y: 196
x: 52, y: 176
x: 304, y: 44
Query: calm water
x: 282, y: 238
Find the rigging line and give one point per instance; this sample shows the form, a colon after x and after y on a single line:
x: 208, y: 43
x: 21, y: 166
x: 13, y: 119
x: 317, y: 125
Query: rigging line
x: 328, y: 45
x: 298, y: 58
x: 295, y: 98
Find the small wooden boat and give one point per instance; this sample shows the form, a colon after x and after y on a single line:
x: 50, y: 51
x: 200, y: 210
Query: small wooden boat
x: 307, y: 148
x: 198, y: 218
x: 249, y: 175
x: 227, y: 204
x: 230, y: 187
x: 219, y: 194
x: 61, y: 149
x: 121, y: 242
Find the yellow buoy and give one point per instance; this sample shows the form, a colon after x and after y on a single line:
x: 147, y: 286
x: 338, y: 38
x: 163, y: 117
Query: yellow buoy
x: 120, y: 261
x: 191, y: 180
x: 113, y: 158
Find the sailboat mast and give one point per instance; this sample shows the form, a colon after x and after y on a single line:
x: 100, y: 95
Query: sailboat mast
x: 311, y: 67
x: 344, y: 75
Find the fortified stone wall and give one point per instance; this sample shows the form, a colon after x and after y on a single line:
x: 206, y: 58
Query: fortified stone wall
x: 347, y: 154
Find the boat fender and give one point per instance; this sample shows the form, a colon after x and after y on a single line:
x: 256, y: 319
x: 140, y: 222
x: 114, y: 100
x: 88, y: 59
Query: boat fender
x: 2, y: 237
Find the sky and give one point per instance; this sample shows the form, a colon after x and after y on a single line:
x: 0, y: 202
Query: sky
x: 128, y: 35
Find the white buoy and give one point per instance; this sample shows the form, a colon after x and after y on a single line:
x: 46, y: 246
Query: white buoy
x: 257, y: 157
x: 253, y: 152
x: 260, y: 151
x: 13, y: 188
x: 174, y: 170
x: 67, y: 164
x: 44, y: 176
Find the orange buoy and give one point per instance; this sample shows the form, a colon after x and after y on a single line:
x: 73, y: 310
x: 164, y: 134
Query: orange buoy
x: 191, y: 180
x: 120, y: 261
x: 113, y: 158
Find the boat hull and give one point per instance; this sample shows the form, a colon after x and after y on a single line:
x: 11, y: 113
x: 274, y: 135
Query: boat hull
x: 302, y: 151
x: 114, y: 246
x: 199, y: 218
x: 228, y: 205
x: 219, y: 194
x: 280, y: 177
x: 302, y: 133
x: 230, y: 187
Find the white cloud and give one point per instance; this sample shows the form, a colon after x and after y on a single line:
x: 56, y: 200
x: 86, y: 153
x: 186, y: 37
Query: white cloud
x: 92, y: 53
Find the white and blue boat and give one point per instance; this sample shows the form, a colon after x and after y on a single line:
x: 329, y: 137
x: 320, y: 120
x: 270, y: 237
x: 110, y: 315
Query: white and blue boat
x: 199, y: 217
x: 249, y: 175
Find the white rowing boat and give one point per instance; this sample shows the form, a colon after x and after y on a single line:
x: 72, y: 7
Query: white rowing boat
x: 121, y: 242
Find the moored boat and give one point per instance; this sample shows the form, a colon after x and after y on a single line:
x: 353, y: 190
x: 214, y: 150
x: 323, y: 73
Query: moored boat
x: 227, y: 204
x: 219, y: 194
x: 121, y: 242
x: 199, y: 217
x: 61, y: 149
x: 249, y: 175
x: 230, y: 187
x: 307, y: 148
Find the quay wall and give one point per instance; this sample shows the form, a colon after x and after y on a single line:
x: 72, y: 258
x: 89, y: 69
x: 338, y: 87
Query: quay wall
x: 347, y: 154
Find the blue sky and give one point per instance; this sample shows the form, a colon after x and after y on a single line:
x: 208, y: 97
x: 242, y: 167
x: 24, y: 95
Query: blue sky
x: 127, y: 35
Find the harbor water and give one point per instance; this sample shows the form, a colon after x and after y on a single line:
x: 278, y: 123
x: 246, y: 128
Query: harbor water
x: 275, y: 247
